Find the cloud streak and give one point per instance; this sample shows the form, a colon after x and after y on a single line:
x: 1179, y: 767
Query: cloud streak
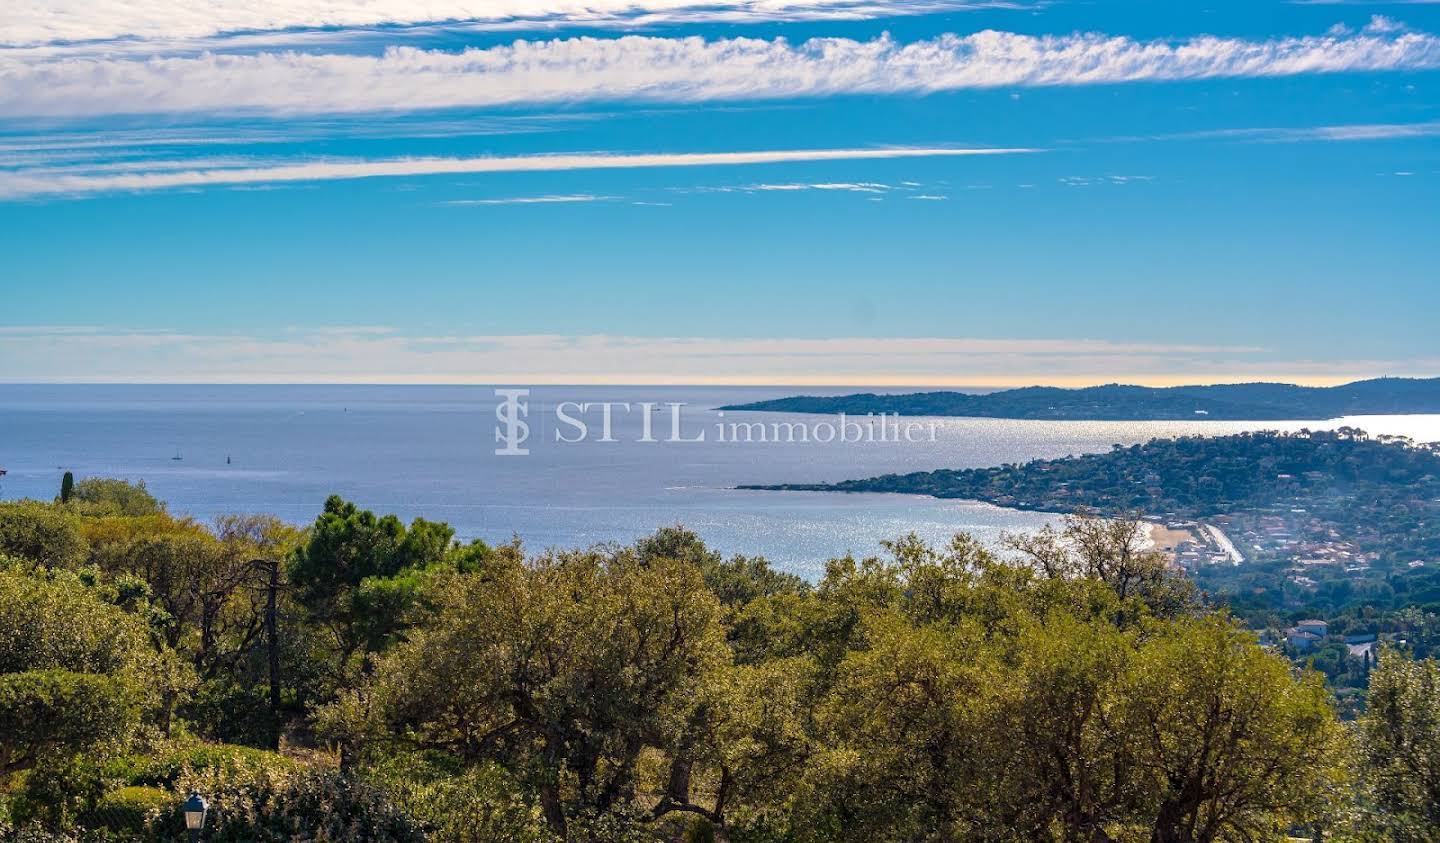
x: 1342, y: 133
x: 17, y: 184
x: 69, y: 353
x: 691, y: 69
x: 46, y: 21
x: 537, y: 200
x: 793, y: 187
x: 381, y: 355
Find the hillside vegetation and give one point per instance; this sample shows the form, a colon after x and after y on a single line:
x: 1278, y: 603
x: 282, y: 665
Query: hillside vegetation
x: 366, y: 679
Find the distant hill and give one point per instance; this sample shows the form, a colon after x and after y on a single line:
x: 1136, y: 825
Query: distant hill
x: 1117, y: 402
x: 1191, y: 476
x: 1382, y: 494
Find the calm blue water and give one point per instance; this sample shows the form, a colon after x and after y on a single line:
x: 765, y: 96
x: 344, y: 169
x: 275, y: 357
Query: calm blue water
x: 429, y: 450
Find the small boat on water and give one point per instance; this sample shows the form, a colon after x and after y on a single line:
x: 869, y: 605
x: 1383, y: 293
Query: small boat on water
x: 177, y: 456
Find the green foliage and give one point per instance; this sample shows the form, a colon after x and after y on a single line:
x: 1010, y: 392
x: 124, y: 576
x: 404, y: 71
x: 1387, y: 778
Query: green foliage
x: 1068, y: 687
x: 969, y: 699
x: 62, y: 788
x: 129, y: 810
x: 55, y: 621
x: 34, y: 833
x: 348, y: 545
x: 1230, y: 743
x: 700, y: 830
x: 113, y: 496
x: 272, y: 804
x: 470, y: 558
x: 94, y: 790
x: 1400, y: 740
x: 359, y: 575
x: 75, y: 671
x: 734, y: 582
x: 166, y: 767
x: 1194, y: 475
x: 233, y: 713
x: 181, y: 568
x: 1370, y: 505
x: 577, y: 662
x: 67, y: 487
x: 43, y: 533
x: 44, y: 712
x: 480, y: 804
x: 207, y: 595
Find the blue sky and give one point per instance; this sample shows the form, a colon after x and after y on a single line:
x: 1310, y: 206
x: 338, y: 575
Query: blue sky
x: 818, y: 192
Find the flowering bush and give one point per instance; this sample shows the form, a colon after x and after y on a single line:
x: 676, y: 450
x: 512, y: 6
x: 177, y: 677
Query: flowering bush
x: 272, y: 803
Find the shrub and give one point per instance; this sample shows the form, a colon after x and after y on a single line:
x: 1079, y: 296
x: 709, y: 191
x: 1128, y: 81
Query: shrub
x: 479, y: 805
x: 129, y: 810
x: 166, y: 768
x: 57, y: 622
x: 57, y: 792
x: 115, y: 795
x: 31, y: 833
x: 48, y: 712
x: 271, y: 804
x: 41, y: 533
x: 112, y: 496
x: 233, y: 714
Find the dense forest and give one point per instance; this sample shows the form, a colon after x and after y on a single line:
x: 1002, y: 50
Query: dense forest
x: 1190, y: 476
x: 1381, y: 492
x: 367, y: 679
x: 1243, y: 402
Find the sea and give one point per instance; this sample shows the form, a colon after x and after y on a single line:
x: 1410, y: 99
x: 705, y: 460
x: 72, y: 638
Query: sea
x: 667, y: 458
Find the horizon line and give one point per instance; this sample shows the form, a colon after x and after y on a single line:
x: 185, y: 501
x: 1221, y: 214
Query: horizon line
x: 948, y: 385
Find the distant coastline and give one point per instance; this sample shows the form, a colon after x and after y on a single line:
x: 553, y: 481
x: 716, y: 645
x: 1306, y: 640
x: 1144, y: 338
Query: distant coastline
x: 1339, y: 502
x: 1118, y: 402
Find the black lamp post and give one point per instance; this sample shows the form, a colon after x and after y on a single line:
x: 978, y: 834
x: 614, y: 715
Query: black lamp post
x: 195, y: 808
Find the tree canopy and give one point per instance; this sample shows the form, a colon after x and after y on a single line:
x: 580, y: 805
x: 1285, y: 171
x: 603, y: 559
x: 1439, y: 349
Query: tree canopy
x: 1068, y: 685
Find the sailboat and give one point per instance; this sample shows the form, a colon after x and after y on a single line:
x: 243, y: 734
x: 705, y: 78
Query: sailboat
x: 177, y: 455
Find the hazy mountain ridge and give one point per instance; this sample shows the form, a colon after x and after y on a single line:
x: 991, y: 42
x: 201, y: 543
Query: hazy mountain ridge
x: 1120, y: 402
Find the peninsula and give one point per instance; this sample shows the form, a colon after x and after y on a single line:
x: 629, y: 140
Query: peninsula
x: 1118, y: 402
x: 1327, y: 505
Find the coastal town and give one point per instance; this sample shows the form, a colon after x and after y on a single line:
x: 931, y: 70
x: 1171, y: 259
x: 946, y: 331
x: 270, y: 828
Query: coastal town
x: 1313, y: 548
x: 1191, y: 544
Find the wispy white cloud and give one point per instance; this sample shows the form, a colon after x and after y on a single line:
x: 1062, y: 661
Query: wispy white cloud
x: 60, y: 167
x: 1352, y: 132
x: 377, y: 354
x: 23, y: 183
x: 1088, y: 181
x: 688, y: 69
x: 109, y: 142
x: 45, y: 21
x: 848, y: 187
x: 536, y: 200
x: 792, y: 187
